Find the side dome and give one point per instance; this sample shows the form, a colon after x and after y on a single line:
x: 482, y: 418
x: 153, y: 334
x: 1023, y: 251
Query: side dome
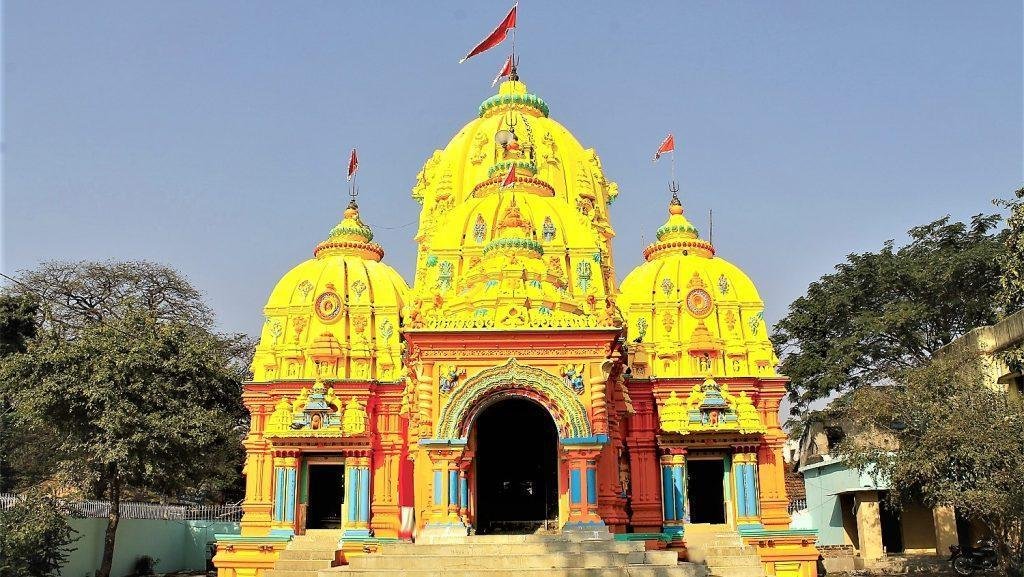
x: 690, y: 313
x: 336, y: 315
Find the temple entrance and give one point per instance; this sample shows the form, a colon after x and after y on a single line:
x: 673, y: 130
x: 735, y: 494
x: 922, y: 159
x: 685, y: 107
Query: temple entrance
x: 516, y: 468
x: 326, y: 494
x: 705, y: 487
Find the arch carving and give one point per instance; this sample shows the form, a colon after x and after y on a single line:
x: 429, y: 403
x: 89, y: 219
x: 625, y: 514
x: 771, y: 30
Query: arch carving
x: 513, y: 379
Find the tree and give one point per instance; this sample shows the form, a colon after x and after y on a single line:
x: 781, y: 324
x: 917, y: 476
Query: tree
x: 1011, y: 289
x: 127, y: 372
x: 957, y: 443
x: 884, y: 312
x: 17, y: 327
x: 34, y: 537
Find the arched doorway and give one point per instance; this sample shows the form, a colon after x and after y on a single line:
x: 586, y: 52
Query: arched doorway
x: 516, y: 467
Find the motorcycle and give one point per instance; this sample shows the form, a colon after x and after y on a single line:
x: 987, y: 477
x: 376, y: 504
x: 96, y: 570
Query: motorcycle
x: 982, y: 557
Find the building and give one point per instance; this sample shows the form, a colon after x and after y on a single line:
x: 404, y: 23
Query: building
x: 856, y: 525
x: 515, y: 386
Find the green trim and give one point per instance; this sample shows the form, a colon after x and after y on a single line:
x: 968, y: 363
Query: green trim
x: 339, y: 230
x: 643, y: 537
x: 524, y: 243
x: 531, y: 100
x: 670, y: 228
x: 504, y: 164
x: 231, y: 538
x: 757, y: 530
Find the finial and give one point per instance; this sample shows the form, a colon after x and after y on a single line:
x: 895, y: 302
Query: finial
x: 675, y: 206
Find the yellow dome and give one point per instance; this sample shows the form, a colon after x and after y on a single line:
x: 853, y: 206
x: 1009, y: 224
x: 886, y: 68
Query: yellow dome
x: 533, y: 254
x: 337, y: 314
x: 691, y: 313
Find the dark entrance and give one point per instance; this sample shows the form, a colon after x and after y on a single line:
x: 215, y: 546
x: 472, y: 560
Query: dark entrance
x: 326, y: 494
x: 892, y: 528
x: 516, y: 468
x: 704, y: 486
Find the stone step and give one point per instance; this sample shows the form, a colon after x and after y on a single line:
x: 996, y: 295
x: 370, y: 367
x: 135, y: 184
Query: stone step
x: 736, y: 571
x: 304, y: 564
x: 586, y: 560
x: 568, y: 537
x: 307, y: 546
x: 512, y: 548
x: 682, y: 570
x: 307, y: 553
x: 734, y: 561
x: 290, y: 573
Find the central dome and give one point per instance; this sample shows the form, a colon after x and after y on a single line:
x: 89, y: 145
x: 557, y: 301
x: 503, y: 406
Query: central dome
x: 514, y: 229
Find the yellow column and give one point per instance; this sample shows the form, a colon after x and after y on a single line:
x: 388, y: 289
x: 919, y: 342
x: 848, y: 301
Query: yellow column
x: 869, y: 525
x: 945, y: 529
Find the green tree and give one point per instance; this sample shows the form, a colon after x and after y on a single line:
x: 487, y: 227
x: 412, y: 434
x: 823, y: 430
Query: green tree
x: 35, y: 537
x: 944, y: 437
x: 884, y: 312
x: 129, y: 375
x: 17, y: 327
x: 1011, y: 290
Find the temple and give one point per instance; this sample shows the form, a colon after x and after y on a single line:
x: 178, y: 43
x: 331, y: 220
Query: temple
x: 516, y: 386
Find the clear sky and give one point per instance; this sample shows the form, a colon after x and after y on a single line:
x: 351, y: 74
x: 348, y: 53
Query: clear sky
x: 212, y: 136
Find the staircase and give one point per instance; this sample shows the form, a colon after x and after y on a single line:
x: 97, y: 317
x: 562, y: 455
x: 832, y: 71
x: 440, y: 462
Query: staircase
x: 558, y: 555
x: 307, y: 554
x: 722, y: 549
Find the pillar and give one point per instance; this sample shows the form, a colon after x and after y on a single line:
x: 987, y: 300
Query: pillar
x: 869, y: 525
x: 645, y: 468
x: 258, y: 507
x: 945, y: 529
x: 745, y: 486
x: 581, y: 462
x: 285, y: 483
x: 673, y: 492
x: 448, y: 488
x: 771, y: 484
x: 357, y: 498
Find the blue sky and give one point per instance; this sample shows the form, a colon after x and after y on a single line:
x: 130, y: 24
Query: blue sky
x: 212, y: 136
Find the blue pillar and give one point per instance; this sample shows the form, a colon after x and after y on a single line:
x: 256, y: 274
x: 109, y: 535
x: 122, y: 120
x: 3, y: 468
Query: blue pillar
x: 750, y: 484
x: 741, y: 489
x: 364, y: 494
x: 289, y: 510
x: 592, y: 486
x: 463, y: 492
x: 575, y: 489
x: 278, y: 493
x: 679, y: 491
x: 357, y: 501
x: 668, y: 503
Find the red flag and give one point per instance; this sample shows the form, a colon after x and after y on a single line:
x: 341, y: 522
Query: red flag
x: 496, y: 37
x: 510, y: 178
x: 353, y: 165
x: 506, y: 70
x: 667, y: 145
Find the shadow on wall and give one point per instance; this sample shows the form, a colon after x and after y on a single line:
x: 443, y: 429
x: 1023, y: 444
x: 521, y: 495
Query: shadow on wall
x: 176, y: 545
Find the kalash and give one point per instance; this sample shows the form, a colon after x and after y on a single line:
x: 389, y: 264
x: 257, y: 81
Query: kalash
x: 514, y: 388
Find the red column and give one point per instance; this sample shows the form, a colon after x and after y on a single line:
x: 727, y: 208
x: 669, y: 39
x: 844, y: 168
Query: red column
x: 644, y: 478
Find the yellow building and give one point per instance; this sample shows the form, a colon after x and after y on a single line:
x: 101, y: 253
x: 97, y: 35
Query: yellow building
x: 515, y: 386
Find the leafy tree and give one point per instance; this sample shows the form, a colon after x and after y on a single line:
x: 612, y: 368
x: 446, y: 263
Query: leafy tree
x: 957, y: 443
x: 34, y: 537
x: 17, y: 326
x: 1011, y: 293
x: 128, y: 373
x: 884, y: 312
